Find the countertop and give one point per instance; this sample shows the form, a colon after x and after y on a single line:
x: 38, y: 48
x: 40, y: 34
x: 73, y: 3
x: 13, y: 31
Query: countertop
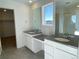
x: 32, y: 32
x: 72, y: 41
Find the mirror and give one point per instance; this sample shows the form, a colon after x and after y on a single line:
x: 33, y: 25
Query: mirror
x: 37, y: 13
x: 68, y: 15
x: 48, y: 28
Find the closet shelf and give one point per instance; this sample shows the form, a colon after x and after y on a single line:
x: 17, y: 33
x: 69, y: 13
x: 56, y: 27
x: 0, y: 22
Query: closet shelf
x: 6, y: 20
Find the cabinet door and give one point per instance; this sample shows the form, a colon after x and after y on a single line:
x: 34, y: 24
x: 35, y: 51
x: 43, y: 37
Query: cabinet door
x: 24, y: 39
x: 59, y: 54
x: 47, y: 56
x: 48, y: 49
x: 29, y: 42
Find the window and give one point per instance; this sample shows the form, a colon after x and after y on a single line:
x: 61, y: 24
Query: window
x: 76, y: 33
x: 47, y: 14
x: 74, y: 18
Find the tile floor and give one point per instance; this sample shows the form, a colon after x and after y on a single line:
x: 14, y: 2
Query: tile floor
x: 22, y: 53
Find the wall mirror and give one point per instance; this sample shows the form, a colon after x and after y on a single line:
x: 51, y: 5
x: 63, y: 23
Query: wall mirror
x: 68, y: 12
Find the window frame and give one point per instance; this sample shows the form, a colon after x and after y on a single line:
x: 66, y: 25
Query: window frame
x: 43, y: 14
x: 74, y: 19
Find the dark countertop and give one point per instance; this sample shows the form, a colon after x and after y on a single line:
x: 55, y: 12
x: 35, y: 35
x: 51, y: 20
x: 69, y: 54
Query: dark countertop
x: 72, y: 41
x: 40, y: 37
x: 32, y: 32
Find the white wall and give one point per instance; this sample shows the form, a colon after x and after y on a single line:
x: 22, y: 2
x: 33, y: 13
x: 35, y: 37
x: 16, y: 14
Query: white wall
x: 21, y: 12
x: 46, y: 30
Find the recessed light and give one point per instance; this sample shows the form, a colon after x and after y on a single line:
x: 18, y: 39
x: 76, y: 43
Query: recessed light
x: 4, y: 10
x: 30, y: 1
x: 78, y: 6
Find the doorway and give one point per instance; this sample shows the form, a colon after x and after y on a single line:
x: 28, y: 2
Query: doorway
x: 7, y: 28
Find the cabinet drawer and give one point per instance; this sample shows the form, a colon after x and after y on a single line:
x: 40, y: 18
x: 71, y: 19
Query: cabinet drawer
x: 29, y: 39
x: 59, y: 54
x: 48, y: 49
x: 47, y: 56
x: 63, y: 47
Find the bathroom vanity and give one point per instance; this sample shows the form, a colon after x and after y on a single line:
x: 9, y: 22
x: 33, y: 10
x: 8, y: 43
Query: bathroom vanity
x: 55, y: 47
x: 34, y: 44
x: 58, y: 50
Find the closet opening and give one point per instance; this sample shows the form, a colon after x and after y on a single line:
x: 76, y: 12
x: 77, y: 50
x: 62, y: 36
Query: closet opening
x: 7, y: 28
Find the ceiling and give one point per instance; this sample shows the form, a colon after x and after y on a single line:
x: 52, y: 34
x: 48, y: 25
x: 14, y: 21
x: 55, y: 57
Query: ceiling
x: 65, y: 3
x: 27, y: 1
x: 59, y: 3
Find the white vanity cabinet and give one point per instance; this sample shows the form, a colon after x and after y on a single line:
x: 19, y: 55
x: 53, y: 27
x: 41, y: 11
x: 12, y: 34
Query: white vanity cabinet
x: 59, y: 54
x: 0, y: 47
x: 47, y: 56
x: 28, y: 41
x: 35, y: 45
x: 55, y: 50
x: 49, y: 51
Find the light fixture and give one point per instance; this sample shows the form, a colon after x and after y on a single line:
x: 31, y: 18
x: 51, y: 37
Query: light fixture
x: 4, y: 10
x: 77, y: 6
x: 30, y: 1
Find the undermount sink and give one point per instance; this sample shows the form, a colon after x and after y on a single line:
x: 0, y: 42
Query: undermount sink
x: 31, y: 32
x: 62, y: 39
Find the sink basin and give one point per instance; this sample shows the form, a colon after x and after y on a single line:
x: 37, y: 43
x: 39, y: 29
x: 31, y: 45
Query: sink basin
x: 62, y: 39
x: 31, y: 32
x: 34, y: 33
